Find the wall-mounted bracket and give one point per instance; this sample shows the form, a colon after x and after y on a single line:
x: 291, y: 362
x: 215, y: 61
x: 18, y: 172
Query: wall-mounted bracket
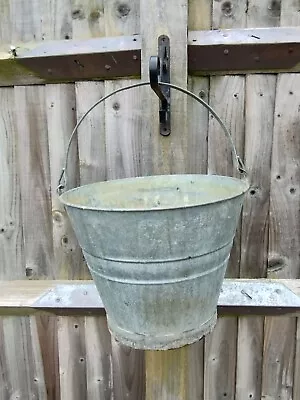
x: 159, y: 71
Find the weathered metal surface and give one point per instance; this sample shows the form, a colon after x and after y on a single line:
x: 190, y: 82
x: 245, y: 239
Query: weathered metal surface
x: 244, y: 50
x: 157, y: 248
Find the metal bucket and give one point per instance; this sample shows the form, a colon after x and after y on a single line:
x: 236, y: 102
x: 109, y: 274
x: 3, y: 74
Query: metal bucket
x: 157, y: 248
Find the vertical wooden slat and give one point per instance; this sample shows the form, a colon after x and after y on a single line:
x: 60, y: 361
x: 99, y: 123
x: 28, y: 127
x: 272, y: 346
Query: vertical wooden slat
x: 72, y: 358
x: 88, y: 21
x: 123, y: 112
x: 260, y: 96
x: 227, y: 98
x: 279, y: 372
x: 11, y: 244
x: 98, y: 359
x: 284, y: 234
x: 260, y: 101
x: 60, y: 100
x: 88, y: 18
x: 35, y: 180
x: 14, y: 345
x: 166, y: 372
x: 167, y: 154
x: 296, y: 391
x: 123, y: 138
x: 128, y: 372
x: 199, y: 17
x: 91, y: 133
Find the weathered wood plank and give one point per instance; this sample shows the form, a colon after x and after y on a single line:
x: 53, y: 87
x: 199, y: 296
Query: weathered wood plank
x: 227, y: 98
x: 169, y: 154
x: 233, y: 51
x: 238, y: 297
x: 72, y: 357
x: 278, y: 361
x: 25, y: 379
x: 296, y: 391
x: 11, y: 243
x: 70, y: 60
x: 98, y: 359
x: 279, y: 369
x: 60, y: 101
x: 284, y: 255
x: 166, y: 373
x: 123, y: 137
x: 91, y: 133
x: 260, y: 101
x: 88, y: 21
x: 35, y: 180
x: 199, y: 17
x: 220, y: 360
x: 128, y: 372
x: 260, y: 98
x: 122, y: 112
x: 210, y: 52
x: 249, y: 347
x: 46, y: 337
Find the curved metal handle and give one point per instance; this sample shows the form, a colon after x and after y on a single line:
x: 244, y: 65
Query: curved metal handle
x: 238, y: 163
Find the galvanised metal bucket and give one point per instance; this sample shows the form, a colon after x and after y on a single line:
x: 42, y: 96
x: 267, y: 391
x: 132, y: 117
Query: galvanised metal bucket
x: 157, y: 248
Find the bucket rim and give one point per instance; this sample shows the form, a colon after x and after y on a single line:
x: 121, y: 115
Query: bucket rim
x: 242, y: 182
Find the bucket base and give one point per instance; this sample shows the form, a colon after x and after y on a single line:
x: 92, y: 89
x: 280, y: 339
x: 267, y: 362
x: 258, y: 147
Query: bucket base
x: 166, y: 342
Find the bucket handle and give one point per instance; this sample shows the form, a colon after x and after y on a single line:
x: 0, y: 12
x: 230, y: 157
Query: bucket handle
x: 237, y: 161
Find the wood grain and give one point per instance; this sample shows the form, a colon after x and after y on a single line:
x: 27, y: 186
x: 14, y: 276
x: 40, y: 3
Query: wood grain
x: 128, y: 372
x: 11, y: 241
x: 35, y: 180
x: 284, y: 254
x: 260, y: 97
x: 98, y: 359
x: 88, y: 21
x: 91, y: 133
x: 60, y: 103
x: 122, y: 112
x: 260, y: 102
x: 296, y: 391
x: 87, y: 18
x: 227, y: 98
x: 199, y: 17
x: 165, y: 371
x: 168, y: 154
x: 72, y: 358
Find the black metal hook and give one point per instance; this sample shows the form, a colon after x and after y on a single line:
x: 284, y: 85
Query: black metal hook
x: 159, y: 71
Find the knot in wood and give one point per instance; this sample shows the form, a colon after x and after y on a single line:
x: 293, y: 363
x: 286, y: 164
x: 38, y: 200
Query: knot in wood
x: 227, y: 8
x: 78, y: 13
x: 116, y: 106
x: 123, y: 9
x: 94, y: 15
x: 274, y: 8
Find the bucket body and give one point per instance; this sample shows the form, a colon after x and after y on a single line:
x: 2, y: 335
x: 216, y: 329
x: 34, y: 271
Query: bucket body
x: 157, y: 248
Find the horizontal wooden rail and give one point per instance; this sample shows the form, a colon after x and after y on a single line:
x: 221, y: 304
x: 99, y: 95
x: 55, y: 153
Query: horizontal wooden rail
x: 231, y: 51
x: 239, y: 51
x: 238, y: 297
x: 70, y: 60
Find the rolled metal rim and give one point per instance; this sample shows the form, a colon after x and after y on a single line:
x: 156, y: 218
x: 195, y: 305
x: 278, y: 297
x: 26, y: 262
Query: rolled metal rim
x: 243, y: 186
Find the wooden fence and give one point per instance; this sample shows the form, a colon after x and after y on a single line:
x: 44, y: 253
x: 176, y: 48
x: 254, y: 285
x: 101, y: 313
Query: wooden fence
x: 74, y: 358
